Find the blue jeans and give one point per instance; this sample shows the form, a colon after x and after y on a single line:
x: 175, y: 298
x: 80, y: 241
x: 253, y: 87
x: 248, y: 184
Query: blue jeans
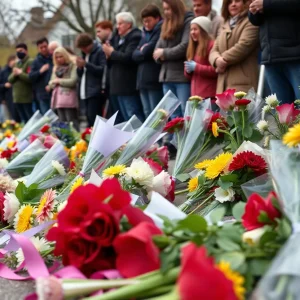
x: 114, y: 107
x: 284, y: 80
x: 150, y: 99
x: 183, y: 93
x: 44, y: 106
x: 131, y: 105
x: 25, y: 111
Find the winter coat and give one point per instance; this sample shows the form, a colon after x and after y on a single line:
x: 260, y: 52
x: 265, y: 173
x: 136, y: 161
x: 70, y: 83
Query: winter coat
x: 22, y: 87
x: 64, y: 95
x: 94, y: 72
x: 148, y: 69
x: 123, y: 70
x: 239, y: 47
x: 279, y: 31
x: 204, y: 78
x: 40, y: 81
x: 5, y: 93
x: 216, y: 23
x: 172, y: 66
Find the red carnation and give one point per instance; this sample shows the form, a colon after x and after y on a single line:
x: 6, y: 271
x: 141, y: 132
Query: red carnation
x: 8, y: 153
x: 220, y: 120
x: 211, y: 283
x: 171, y: 195
x: 136, y: 251
x: 174, y: 125
x: 242, y: 102
x: 255, y: 206
x: 45, y: 128
x: 156, y: 167
x: 248, y: 159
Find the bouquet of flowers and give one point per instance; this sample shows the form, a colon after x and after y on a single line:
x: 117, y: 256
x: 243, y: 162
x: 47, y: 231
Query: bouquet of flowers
x: 50, y: 171
x: 64, y: 132
x: 150, y: 131
x: 36, y: 122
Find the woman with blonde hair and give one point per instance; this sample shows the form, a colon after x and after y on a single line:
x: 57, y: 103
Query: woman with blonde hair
x: 197, y: 67
x: 171, y: 50
x: 235, y: 53
x: 63, y: 83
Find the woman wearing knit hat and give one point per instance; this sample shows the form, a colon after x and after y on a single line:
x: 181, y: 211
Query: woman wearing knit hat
x: 197, y: 67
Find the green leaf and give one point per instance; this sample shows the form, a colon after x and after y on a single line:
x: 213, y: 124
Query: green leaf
x: 198, y: 240
x: 256, y: 136
x: 267, y: 237
x: 258, y: 267
x: 227, y: 245
x: 167, y: 221
x: 263, y: 218
x: 230, y: 121
x: 183, y: 177
x: 224, y: 185
x: 201, y: 180
x: 217, y: 215
x: 284, y: 228
x: 193, y: 223
x: 20, y: 191
x: 248, y: 131
x: 238, y: 210
x: 170, y: 258
x: 236, y: 259
x: 161, y: 241
x: 230, y: 178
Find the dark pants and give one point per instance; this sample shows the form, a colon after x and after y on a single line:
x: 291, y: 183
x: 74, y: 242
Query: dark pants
x: 284, y: 80
x: 150, y: 99
x: 44, y: 105
x: 131, y: 105
x: 13, y: 111
x: 24, y: 110
x: 94, y: 106
x: 114, y: 107
x: 69, y: 115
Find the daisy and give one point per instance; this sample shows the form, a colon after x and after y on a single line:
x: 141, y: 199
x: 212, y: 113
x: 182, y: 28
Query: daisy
x: 45, y: 208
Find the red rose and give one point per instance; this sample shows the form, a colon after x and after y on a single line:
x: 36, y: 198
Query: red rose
x: 226, y: 100
x: 155, y: 167
x: 211, y: 283
x: 45, y: 128
x: 32, y: 138
x: 287, y: 113
x: 254, y: 207
x: 136, y: 251
x: 2, y: 208
x: 49, y: 141
x: 171, y: 195
x: 174, y: 125
x: 242, y: 102
x: 163, y: 156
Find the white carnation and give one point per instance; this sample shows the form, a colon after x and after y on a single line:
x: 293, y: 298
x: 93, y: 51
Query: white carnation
x: 224, y: 195
x: 162, y: 183
x: 11, y: 207
x: 140, y: 172
x: 272, y: 100
x: 58, y: 167
x: 262, y: 126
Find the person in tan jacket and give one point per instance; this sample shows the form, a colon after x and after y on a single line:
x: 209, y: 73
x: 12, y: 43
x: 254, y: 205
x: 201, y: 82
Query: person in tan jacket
x: 235, y: 53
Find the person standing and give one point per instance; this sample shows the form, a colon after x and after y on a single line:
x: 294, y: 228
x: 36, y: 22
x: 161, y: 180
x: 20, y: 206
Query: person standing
x: 197, y: 67
x: 52, y: 47
x: 40, y: 75
x: 63, y: 83
x: 6, y: 96
x: 235, y: 52
x: 104, y: 31
x: 148, y: 70
x: 21, y: 84
x: 204, y: 8
x: 279, y: 26
x: 123, y: 71
x: 90, y: 69
x: 171, y: 51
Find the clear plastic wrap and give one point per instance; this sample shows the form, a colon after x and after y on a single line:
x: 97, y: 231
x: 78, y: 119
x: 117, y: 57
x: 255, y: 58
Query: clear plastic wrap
x: 255, y: 107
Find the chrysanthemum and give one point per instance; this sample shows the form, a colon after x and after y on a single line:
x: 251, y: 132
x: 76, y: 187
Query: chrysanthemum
x: 7, y: 184
x: 218, y: 165
x: 193, y: 184
x: 272, y: 100
x: 113, y: 171
x: 215, y: 129
x: 292, y: 137
x: 204, y: 164
x: 23, y: 217
x: 240, y: 95
x: 58, y: 167
x: 45, y: 208
x: 236, y: 279
x: 262, y: 126
x: 196, y: 98
x: 77, y: 184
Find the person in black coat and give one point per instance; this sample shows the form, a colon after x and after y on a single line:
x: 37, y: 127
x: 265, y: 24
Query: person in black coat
x: 40, y: 74
x: 90, y: 69
x: 122, y: 69
x: 279, y: 24
x: 6, y: 96
x: 148, y: 70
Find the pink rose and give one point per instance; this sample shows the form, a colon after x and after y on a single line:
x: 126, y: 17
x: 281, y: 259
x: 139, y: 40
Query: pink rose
x: 226, y: 100
x: 287, y: 113
x: 162, y: 183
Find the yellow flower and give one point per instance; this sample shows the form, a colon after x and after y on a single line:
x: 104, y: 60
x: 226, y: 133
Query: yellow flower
x: 193, y: 184
x: 292, y: 137
x: 240, y: 95
x: 218, y: 165
x: 215, y: 129
x: 76, y: 184
x: 196, y: 98
x: 4, y: 125
x: 81, y: 146
x: 204, y: 164
x: 7, y: 133
x: 112, y: 171
x: 236, y: 278
x: 10, y: 144
x: 23, y: 217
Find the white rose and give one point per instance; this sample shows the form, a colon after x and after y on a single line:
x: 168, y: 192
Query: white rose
x: 141, y: 172
x: 272, y: 100
x: 262, y: 126
x: 224, y: 195
x: 162, y: 183
x: 253, y: 237
x: 11, y: 207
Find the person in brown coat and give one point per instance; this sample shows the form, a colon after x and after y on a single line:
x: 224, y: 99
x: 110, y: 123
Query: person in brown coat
x: 235, y: 53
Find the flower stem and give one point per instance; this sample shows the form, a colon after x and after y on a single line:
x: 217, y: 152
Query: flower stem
x: 236, y: 131
x: 181, y: 192
x: 201, y: 204
x: 6, y: 227
x: 173, y: 295
x: 243, y: 122
x: 231, y: 137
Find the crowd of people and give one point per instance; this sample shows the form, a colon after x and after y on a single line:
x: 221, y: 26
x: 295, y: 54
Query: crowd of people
x: 189, y: 53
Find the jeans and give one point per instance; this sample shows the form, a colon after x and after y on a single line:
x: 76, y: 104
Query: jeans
x: 114, y: 107
x: 131, y: 105
x: 150, y: 99
x: 94, y: 107
x: 44, y: 106
x: 25, y: 111
x: 69, y: 115
x: 284, y: 80
x: 183, y: 93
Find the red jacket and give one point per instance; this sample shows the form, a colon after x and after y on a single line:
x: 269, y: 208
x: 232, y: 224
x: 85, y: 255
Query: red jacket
x: 204, y: 78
